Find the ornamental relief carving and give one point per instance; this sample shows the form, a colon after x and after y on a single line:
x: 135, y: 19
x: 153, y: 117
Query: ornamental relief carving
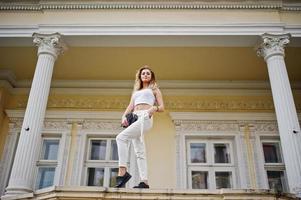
x: 171, y: 103
x: 206, y: 126
x: 57, y: 125
x: 112, y: 125
x: 234, y: 126
x: 16, y: 124
x: 221, y: 105
x: 265, y: 127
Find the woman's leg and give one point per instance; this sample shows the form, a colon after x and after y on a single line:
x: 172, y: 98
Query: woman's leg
x: 139, y: 148
x: 122, y: 140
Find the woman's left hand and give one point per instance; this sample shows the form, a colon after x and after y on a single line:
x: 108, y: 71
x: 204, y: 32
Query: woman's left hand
x: 151, y: 111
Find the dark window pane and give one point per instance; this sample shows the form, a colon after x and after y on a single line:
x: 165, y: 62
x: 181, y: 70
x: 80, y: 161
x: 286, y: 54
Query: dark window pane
x: 198, y: 152
x: 276, y: 180
x: 223, y: 179
x: 221, y: 153
x: 98, y: 149
x: 113, y: 175
x: 271, y: 153
x: 45, y: 177
x: 114, y: 153
x: 199, y: 180
x: 95, y: 176
x: 50, y: 149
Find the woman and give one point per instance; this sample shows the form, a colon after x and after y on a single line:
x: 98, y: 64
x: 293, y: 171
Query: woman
x: 145, y: 101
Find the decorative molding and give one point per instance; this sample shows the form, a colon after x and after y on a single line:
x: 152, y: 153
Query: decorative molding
x: 265, y: 126
x: 242, y: 118
x: 218, y: 125
x: 16, y: 124
x: 171, y: 103
x: 69, y: 116
x: 205, y: 126
x: 56, y: 125
x: 219, y: 121
x: 132, y: 5
x: 102, y: 125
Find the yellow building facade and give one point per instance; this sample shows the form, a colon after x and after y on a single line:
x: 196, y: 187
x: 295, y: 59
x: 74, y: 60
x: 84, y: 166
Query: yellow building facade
x: 229, y: 72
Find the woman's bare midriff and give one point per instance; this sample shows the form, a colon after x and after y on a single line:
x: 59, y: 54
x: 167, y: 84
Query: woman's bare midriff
x: 142, y: 107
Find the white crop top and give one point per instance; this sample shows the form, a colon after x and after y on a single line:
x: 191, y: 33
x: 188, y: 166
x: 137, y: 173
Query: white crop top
x: 144, y: 96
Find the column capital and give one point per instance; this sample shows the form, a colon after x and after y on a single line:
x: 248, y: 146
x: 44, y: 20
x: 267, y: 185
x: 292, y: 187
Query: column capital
x: 272, y: 45
x: 52, y: 44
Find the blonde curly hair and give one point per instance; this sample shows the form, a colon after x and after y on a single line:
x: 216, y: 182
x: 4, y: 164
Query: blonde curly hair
x: 138, y: 82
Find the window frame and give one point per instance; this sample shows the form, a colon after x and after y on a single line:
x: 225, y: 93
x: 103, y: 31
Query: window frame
x: 42, y: 163
x: 280, y: 151
x: 274, y: 166
x: 210, y: 166
x: 107, y: 164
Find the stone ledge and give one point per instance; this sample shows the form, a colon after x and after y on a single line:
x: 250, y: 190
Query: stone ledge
x: 84, y: 192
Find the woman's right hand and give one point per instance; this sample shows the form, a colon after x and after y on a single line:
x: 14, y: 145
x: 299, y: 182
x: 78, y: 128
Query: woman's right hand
x: 124, y: 122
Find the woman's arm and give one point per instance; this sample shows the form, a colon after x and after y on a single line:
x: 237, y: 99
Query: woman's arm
x: 159, y: 98
x: 160, y: 105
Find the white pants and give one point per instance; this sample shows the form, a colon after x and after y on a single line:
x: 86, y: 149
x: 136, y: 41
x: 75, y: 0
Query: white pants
x: 133, y: 133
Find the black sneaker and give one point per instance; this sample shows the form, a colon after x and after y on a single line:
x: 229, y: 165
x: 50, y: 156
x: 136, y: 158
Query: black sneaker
x: 122, y: 180
x: 142, y: 185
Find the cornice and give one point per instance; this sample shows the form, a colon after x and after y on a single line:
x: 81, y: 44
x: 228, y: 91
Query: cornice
x: 131, y: 5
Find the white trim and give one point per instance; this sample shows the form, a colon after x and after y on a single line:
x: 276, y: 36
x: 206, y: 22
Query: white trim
x: 155, y: 40
x: 242, y: 29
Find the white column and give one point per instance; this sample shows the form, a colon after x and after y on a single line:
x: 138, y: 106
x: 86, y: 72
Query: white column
x: 24, y: 166
x: 272, y: 49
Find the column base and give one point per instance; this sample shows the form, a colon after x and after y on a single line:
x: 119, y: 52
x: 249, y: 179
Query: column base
x: 11, y: 192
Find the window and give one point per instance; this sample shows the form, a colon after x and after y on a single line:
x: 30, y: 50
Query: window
x: 199, y: 179
x: 210, y: 164
x: 48, y: 162
x: 223, y: 179
x: 101, y: 162
x: 221, y: 153
x: 274, y: 165
x: 271, y: 152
